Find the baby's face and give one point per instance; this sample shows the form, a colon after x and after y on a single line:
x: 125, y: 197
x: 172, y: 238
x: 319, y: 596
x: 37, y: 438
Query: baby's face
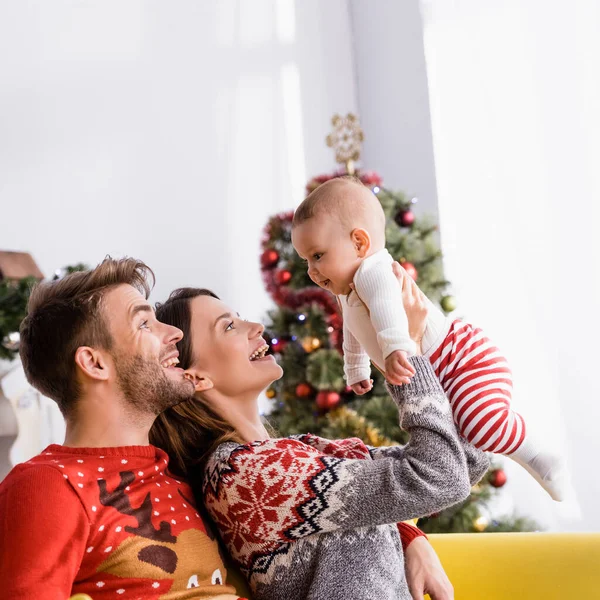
x: 329, y: 252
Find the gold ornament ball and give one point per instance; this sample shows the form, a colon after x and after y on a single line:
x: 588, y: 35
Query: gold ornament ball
x: 481, y: 523
x: 311, y: 343
x: 448, y: 304
x: 271, y: 393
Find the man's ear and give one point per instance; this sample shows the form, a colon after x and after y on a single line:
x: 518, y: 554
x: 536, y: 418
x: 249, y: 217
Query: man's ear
x: 362, y: 241
x: 92, y: 363
x: 201, y: 381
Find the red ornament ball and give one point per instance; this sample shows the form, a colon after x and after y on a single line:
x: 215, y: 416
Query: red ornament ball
x: 405, y: 218
x: 283, y: 276
x: 278, y: 345
x: 269, y: 258
x: 303, y: 390
x: 498, y: 478
x: 411, y: 270
x: 327, y: 400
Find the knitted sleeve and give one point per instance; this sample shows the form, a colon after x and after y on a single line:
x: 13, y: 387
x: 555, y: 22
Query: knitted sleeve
x: 357, y: 365
x: 377, y: 286
x: 355, y: 448
x: 42, y: 535
x: 283, y: 490
x: 476, y: 460
x: 409, y: 533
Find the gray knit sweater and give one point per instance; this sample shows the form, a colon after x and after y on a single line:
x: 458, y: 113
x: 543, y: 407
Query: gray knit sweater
x: 305, y: 517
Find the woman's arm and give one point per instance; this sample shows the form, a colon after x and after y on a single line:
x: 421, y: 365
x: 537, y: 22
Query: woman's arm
x: 415, y: 306
x: 320, y: 493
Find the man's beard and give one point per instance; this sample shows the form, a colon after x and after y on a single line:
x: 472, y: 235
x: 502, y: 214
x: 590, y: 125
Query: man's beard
x: 147, y: 388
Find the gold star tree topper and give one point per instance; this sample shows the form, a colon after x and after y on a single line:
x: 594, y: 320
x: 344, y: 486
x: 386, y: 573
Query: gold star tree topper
x: 346, y: 139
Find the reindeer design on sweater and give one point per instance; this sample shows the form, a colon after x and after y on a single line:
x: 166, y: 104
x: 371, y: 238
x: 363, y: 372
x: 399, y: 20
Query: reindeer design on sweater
x: 188, y: 559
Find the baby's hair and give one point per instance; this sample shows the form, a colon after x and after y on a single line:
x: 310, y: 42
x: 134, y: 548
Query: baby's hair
x: 322, y: 198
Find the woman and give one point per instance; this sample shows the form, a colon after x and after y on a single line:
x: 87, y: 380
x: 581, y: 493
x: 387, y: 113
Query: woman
x: 301, y: 516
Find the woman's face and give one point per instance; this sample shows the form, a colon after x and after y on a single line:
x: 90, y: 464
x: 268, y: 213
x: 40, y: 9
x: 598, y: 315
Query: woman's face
x: 229, y: 350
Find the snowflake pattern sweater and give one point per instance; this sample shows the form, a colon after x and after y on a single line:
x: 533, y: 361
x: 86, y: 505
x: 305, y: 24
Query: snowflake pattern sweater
x: 308, y: 518
x: 108, y: 522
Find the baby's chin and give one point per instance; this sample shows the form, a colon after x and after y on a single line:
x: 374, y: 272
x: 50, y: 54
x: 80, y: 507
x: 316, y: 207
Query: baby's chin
x: 339, y: 289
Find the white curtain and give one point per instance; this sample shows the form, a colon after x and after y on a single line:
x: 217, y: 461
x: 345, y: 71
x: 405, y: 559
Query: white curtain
x: 515, y: 102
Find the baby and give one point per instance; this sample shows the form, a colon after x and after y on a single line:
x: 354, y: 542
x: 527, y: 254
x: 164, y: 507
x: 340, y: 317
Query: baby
x: 339, y: 230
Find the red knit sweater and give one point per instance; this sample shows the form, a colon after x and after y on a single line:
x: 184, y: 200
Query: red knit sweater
x: 108, y: 522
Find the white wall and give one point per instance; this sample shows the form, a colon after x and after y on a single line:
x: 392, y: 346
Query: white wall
x: 168, y: 131
x: 393, y: 96
x: 515, y: 90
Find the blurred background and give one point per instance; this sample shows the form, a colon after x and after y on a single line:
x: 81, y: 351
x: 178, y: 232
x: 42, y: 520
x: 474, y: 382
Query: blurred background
x: 172, y: 132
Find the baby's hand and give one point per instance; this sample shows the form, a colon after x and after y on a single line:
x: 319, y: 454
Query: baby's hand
x: 362, y: 387
x: 397, y: 368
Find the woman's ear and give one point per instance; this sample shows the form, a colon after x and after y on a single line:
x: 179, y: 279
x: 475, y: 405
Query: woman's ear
x: 92, y: 363
x: 362, y: 241
x: 201, y: 382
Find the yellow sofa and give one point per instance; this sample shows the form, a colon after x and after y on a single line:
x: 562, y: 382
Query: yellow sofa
x: 521, y: 566
x: 513, y: 566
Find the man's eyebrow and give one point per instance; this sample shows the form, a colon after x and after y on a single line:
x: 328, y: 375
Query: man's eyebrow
x: 140, y: 308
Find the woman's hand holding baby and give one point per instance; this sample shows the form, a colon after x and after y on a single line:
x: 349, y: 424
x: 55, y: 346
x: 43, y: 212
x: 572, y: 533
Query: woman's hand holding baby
x: 414, y: 305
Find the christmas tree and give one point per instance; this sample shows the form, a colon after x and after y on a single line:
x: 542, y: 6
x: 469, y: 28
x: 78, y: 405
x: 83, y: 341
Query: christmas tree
x: 13, y: 309
x: 305, y: 331
x: 14, y: 296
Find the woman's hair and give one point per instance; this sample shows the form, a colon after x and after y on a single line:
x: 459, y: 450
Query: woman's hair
x: 190, y: 431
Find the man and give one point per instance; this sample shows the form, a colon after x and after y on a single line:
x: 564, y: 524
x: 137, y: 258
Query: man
x: 100, y: 514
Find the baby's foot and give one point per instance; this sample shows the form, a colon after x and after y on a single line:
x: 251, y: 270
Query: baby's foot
x: 549, y: 471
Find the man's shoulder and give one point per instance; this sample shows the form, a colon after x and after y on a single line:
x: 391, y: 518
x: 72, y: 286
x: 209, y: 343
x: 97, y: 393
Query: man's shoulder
x: 44, y: 464
x: 36, y: 477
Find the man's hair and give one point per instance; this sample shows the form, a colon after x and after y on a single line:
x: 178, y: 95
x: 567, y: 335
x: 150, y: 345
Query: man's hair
x: 65, y: 314
x: 323, y: 198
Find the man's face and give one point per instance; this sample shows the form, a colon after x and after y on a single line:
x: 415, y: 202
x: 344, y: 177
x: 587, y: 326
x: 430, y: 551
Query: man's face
x: 144, y: 352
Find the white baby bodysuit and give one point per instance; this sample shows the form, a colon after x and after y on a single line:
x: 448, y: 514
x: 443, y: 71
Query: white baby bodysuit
x: 375, y: 323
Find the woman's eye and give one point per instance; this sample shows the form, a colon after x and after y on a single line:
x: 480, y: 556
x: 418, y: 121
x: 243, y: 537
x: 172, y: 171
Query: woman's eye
x: 144, y: 325
x: 230, y: 327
